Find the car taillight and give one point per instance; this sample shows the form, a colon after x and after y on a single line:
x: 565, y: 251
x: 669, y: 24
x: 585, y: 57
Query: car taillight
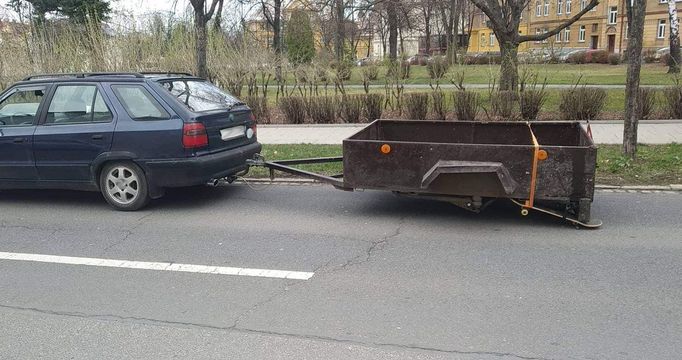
x: 194, y: 136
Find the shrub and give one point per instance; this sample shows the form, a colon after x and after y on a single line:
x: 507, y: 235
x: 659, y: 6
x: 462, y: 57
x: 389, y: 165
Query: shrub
x: 614, y: 59
x: 293, y: 108
x: 649, y: 56
x: 502, y: 104
x: 402, y: 68
x: 350, y: 109
x: 373, y: 104
x: 437, y: 67
x: 673, y: 101
x: 417, y: 105
x: 370, y: 72
x: 582, y: 103
x: 322, y: 109
x: 342, y: 70
x: 598, y: 56
x: 438, y: 104
x: 466, y: 104
x: 259, y: 108
x: 488, y: 59
x: 531, y: 102
x: 647, y: 101
x: 405, y: 69
x: 299, y: 38
x: 577, y: 58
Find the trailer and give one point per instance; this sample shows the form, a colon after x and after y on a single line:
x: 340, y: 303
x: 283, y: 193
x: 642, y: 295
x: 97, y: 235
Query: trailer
x: 548, y: 167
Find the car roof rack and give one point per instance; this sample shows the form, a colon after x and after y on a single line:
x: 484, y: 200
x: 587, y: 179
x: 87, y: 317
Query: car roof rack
x: 82, y: 75
x: 167, y: 73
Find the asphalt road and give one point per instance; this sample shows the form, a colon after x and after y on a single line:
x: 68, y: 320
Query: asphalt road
x: 394, y: 278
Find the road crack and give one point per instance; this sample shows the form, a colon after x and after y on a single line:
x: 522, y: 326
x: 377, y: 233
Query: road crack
x: 374, y: 247
x: 169, y: 323
x: 127, y: 233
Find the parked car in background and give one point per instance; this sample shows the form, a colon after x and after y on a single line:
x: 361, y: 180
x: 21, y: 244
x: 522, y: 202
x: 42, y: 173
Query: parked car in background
x: 566, y: 55
x: 660, y: 53
x: 127, y: 135
x: 419, y: 59
x: 366, y: 61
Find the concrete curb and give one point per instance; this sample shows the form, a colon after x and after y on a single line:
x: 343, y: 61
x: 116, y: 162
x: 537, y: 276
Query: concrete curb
x: 619, y: 188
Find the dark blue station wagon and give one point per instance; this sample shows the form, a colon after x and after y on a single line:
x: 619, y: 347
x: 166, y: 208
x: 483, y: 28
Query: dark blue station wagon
x: 128, y: 135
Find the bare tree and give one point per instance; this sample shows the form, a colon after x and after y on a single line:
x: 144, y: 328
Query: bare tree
x: 392, y: 22
x: 636, y: 10
x: 426, y: 7
x: 505, y: 18
x: 449, y: 13
x: 340, y: 34
x: 201, y: 18
x: 674, y: 58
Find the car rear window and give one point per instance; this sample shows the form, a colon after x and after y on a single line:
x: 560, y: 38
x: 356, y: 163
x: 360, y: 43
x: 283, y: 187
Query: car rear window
x: 139, y: 103
x: 199, y: 95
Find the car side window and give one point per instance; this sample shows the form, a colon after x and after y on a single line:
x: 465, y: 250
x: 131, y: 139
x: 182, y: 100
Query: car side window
x: 139, y: 103
x: 20, y: 108
x: 77, y: 104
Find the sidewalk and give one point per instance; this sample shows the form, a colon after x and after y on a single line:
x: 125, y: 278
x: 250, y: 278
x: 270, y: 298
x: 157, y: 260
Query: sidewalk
x: 604, y: 132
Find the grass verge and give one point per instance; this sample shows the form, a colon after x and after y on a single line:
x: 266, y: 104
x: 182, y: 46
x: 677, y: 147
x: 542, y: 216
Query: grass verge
x: 655, y: 165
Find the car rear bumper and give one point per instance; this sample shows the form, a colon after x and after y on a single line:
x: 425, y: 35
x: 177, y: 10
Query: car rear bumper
x: 198, y: 170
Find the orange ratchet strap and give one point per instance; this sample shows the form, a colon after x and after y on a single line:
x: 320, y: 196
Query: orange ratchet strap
x: 534, y: 172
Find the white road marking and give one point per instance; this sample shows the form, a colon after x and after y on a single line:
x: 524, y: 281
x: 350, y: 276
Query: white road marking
x: 159, y: 266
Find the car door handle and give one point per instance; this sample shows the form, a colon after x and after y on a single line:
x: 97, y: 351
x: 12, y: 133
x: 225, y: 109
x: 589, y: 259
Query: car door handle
x: 19, y: 140
x: 97, y: 137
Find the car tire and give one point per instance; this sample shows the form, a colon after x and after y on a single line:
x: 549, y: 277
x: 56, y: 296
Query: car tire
x: 124, y: 186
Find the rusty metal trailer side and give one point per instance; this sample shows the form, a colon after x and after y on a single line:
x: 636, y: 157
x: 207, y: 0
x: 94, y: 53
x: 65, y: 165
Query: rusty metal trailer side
x: 468, y: 162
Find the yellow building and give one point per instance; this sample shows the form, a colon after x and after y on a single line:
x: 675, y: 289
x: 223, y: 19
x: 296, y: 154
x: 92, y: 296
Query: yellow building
x: 603, y: 27
x: 482, y: 39
x: 261, y: 32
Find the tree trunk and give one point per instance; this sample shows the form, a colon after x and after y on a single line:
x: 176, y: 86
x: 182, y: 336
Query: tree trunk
x: 674, y: 58
x: 340, y: 36
x: 277, y: 27
x: 427, y: 34
x: 455, y: 9
x: 201, y: 42
x: 509, y: 69
x: 277, y: 41
x: 392, y: 18
x: 636, y: 10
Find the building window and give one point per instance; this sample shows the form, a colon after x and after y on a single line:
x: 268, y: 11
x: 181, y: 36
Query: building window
x: 567, y: 34
x: 538, y: 9
x: 546, y: 7
x: 594, y: 8
x: 559, y: 6
x: 538, y: 32
x: 583, y: 3
x: 545, y: 31
x: 492, y: 39
x: 557, y: 37
x: 627, y: 30
x: 613, y: 14
x: 568, y: 6
x: 581, y: 34
x: 483, y: 39
x: 661, y: 29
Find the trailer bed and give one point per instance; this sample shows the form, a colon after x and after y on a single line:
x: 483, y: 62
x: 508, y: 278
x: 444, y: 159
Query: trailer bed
x: 470, y: 163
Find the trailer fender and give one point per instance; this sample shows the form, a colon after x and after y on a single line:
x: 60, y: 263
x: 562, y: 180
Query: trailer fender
x: 467, y: 170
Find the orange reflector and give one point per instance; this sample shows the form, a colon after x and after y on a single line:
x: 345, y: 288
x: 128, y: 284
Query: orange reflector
x: 385, y: 149
x: 542, y: 155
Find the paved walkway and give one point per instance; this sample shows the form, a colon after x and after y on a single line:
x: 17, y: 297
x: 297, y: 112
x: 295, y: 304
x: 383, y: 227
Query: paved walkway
x: 606, y: 132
